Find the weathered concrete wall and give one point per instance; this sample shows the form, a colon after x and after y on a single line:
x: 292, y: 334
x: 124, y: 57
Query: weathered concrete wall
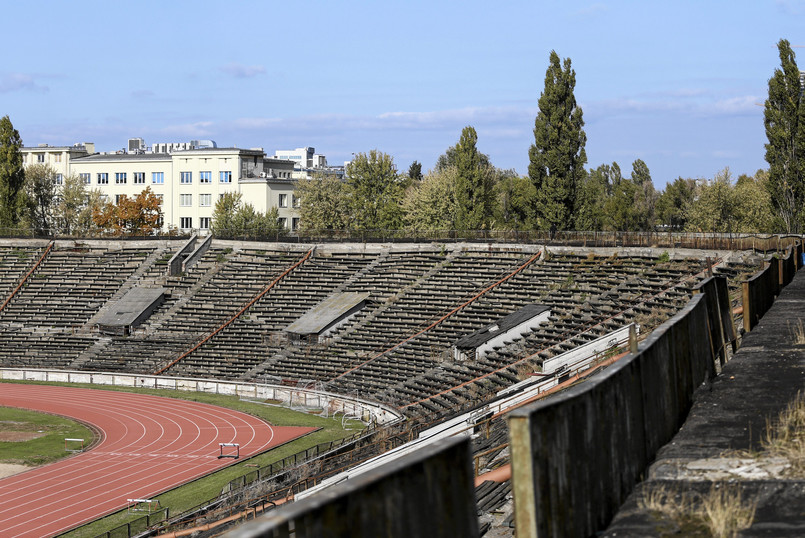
x: 429, y: 492
x: 175, y: 263
x: 759, y: 292
x: 576, y: 457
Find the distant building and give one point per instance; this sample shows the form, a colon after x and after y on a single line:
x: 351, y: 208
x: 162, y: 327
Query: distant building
x: 307, y: 163
x: 189, y: 180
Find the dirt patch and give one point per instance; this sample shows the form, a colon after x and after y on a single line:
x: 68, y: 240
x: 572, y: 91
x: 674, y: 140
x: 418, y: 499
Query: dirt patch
x: 16, y: 437
x: 8, y: 469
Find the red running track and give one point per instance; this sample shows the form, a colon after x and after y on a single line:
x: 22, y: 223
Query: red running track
x: 149, y: 444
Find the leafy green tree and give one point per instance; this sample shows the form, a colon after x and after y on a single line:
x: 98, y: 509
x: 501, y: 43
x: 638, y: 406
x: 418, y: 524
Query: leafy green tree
x: 449, y: 158
x: 415, y: 171
x: 673, y: 203
x: 431, y: 206
x: 514, y: 209
x: 591, y: 196
x: 247, y: 222
x: 784, y: 119
x: 713, y: 208
x: 223, y: 215
x: 376, y: 192
x: 474, y: 187
x: 557, y: 157
x: 232, y: 218
x: 324, y: 203
x: 75, y: 206
x: 645, y: 196
x: 12, y: 176
x: 620, y: 213
x: 753, y: 207
x: 40, y: 195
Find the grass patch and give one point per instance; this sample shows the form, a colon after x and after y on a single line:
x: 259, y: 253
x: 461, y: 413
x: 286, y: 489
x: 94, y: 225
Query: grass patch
x: 190, y: 495
x: 721, y: 512
x: 798, y: 333
x: 41, y: 436
x: 785, y: 436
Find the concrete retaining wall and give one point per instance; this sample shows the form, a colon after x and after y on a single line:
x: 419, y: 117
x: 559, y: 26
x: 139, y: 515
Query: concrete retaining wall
x: 333, y: 403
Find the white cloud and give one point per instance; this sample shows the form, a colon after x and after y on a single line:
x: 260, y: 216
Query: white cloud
x: 189, y: 130
x: 591, y: 11
x: 242, y: 71
x: 11, y: 82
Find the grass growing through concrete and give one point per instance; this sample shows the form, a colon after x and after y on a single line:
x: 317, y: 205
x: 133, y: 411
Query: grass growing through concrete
x: 190, y: 495
x: 785, y: 436
x: 31, y: 438
x: 721, y: 512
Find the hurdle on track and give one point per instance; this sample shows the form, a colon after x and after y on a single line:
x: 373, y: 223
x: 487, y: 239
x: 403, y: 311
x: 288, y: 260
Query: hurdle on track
x: 142, y: 505
x: 71, y: 445
x: 236, y: 455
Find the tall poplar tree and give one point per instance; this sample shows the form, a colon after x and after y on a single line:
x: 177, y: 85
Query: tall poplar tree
x: 557, y: 157
x: 12, y: 177
x: 474, y: 184
x: 784, y: 119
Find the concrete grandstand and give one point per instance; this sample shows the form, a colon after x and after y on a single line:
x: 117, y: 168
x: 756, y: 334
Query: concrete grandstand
x: 225, y: 317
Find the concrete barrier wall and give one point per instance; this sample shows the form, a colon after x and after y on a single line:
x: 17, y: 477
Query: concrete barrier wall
x: 576, y: 458
x: 333, y: 403
x: 429, y: 492
x: 196, y: 255
x: 175, y: 263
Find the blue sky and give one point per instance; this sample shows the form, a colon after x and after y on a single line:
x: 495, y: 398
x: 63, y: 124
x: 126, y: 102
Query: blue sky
x: 673, y: 83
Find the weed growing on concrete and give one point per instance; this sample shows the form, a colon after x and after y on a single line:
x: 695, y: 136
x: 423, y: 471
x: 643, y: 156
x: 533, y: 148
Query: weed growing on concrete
x: 798, y: 332
x: 724, y: 512
x: 721, y: 512
x: 785, y: 437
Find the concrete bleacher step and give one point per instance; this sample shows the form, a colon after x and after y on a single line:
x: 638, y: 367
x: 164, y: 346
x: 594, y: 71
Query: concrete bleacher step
x: 130, y: 282
x: 91, y: 353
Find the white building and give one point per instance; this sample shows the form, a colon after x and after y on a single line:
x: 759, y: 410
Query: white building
x: 189, y: 181
x: 307, y: 163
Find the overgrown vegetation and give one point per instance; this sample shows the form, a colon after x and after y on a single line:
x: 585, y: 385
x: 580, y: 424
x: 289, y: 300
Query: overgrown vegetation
x: 785, y: 435
x: 720, y: 513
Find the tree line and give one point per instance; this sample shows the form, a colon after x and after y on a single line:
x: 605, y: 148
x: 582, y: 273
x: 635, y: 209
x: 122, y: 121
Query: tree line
x: 465, y: 191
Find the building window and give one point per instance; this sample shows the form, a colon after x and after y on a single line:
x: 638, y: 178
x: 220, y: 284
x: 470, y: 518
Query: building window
x: 86, y: 178
x: 157, y: 177
x: 57, y: 157
x: 139, y: 178
x: 283, y: 222
x: 205, y: 177
x: 119, y: 197
x: 59, y: 179
x: 283, y: 200
x: 185, y: 223
x: 185, y: 200
x: 226, y: 177
x: 186, y: 177
x: 295, y: 224
x: 120, y: 178
x: 295, y: 201
x: 103, y: 178
x: 205, y: 200
x: 204, y: 223
x: 159, y: 197
x: 40, y: 158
